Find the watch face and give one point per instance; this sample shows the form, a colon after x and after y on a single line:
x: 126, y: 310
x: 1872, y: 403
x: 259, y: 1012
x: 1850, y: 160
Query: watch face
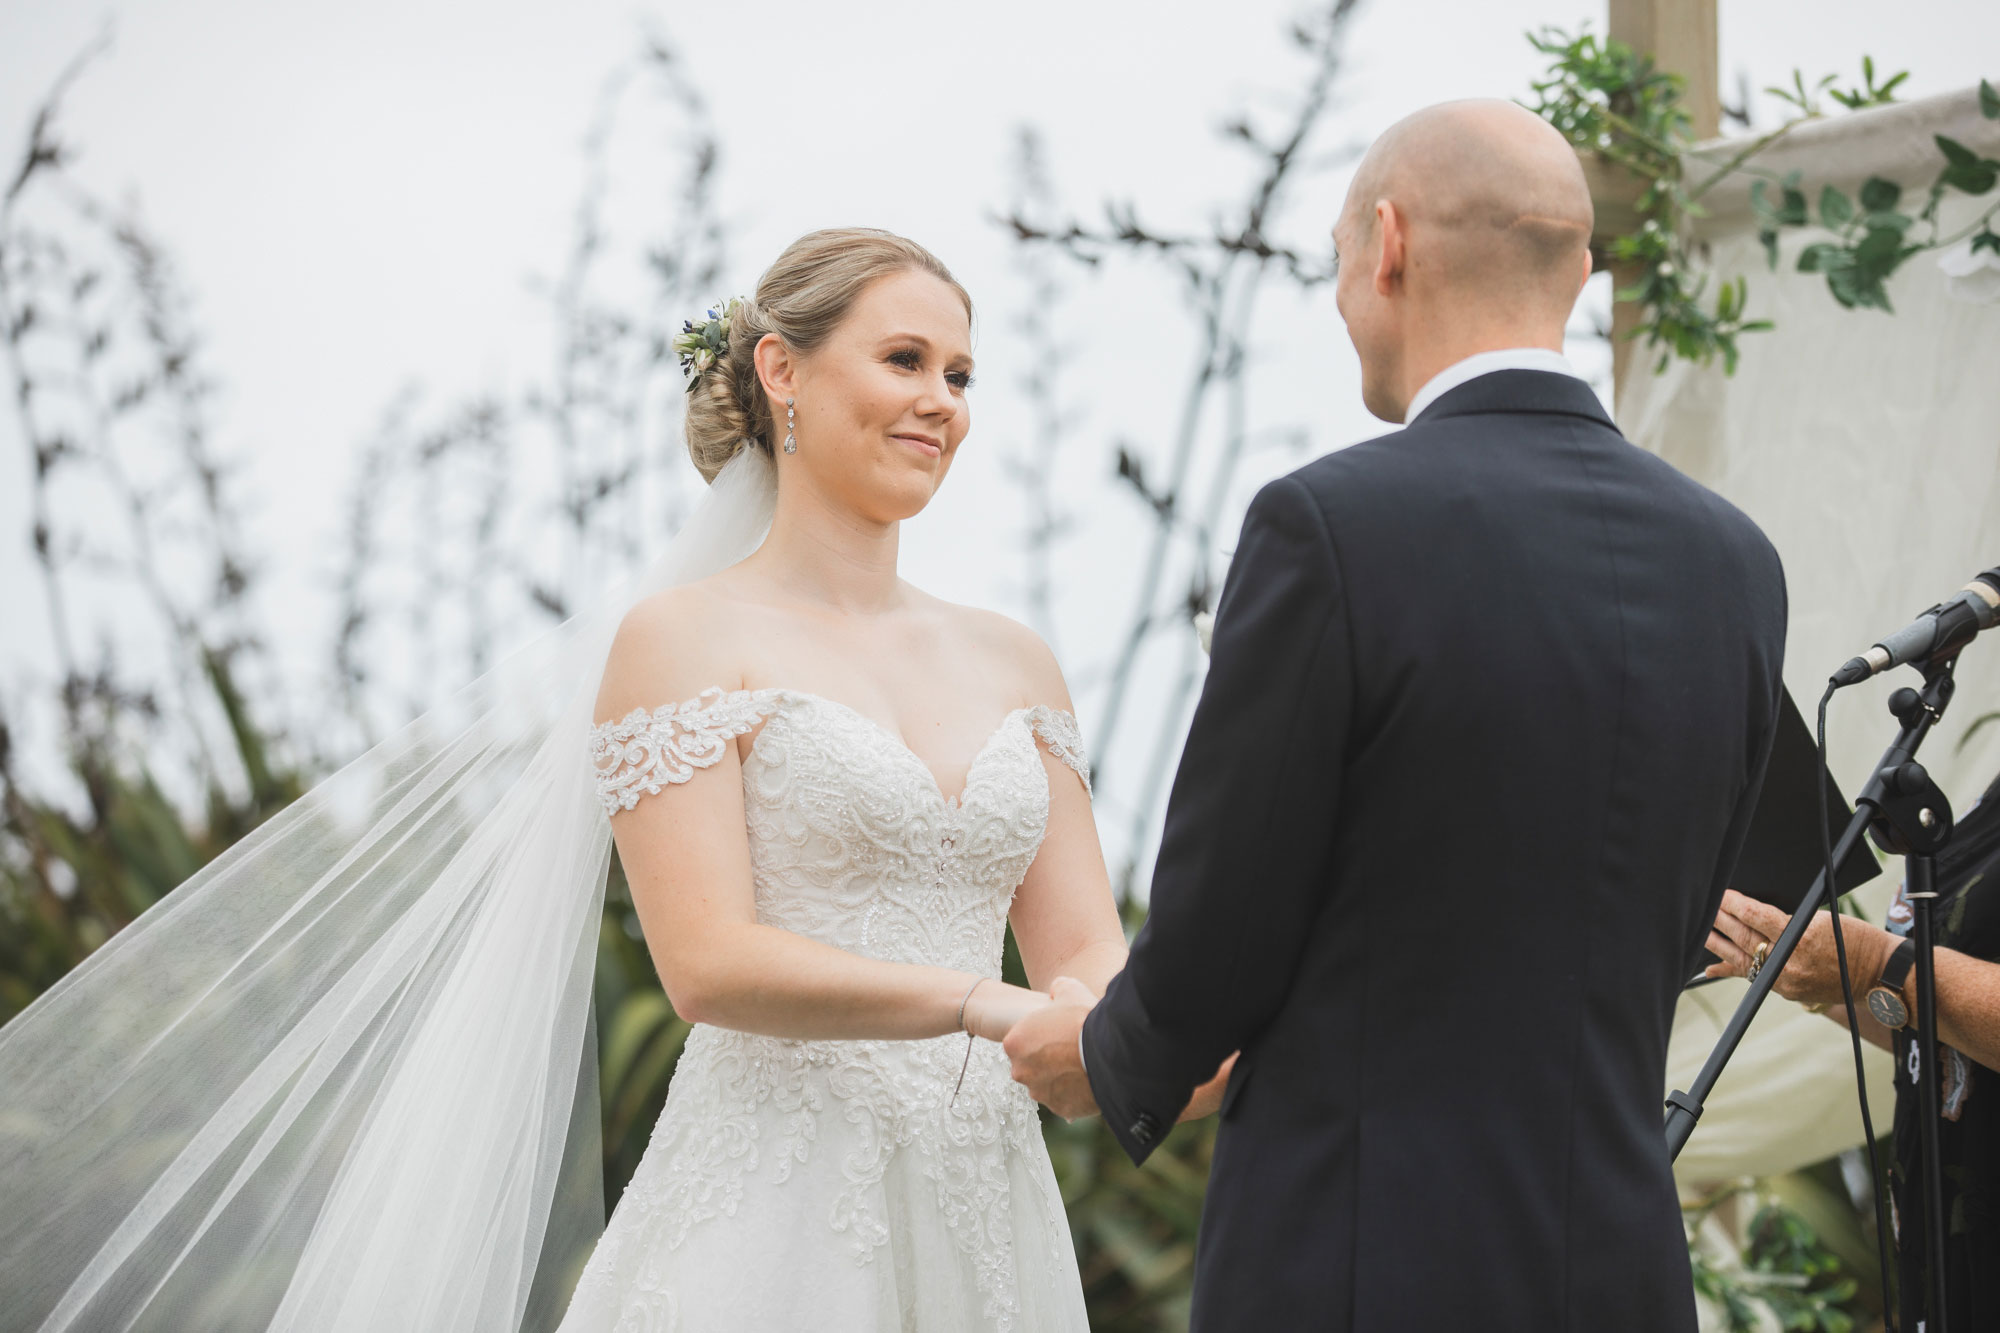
x: 1888, y: 1007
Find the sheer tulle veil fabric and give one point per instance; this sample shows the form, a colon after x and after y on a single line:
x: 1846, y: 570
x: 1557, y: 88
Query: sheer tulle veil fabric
x: 343, y: 1077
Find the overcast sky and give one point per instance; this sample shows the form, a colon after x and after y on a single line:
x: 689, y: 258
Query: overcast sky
x: 312, y: 167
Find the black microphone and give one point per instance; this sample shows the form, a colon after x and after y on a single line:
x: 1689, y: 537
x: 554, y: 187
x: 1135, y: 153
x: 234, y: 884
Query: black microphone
x: 1936, y: 634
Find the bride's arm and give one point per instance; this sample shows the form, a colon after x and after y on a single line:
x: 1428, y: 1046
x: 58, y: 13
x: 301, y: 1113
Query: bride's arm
x: 1065, y: 919
x: 686, y: 855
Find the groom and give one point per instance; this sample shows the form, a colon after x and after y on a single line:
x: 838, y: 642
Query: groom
x: 1488, y: 709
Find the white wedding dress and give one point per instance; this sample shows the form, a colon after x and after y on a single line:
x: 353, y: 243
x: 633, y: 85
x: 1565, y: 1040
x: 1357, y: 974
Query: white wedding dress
x: 841, y: 1185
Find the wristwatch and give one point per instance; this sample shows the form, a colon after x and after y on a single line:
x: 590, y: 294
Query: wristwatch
x: 1886, y: 1000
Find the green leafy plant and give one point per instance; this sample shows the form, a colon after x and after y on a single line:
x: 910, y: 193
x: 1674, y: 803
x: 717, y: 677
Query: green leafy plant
x: 71, y: 879
x: 1802, y: 1281
x: 1610, y: 101
x: 1872, y: 236
x: 1869, y: 93
x: 1786, y: 1271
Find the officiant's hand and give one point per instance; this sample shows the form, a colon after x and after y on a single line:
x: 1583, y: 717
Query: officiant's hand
x: 1045, y: 1055
x: 1812, y: 974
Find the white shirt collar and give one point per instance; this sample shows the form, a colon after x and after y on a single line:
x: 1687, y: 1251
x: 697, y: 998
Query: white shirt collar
x: 1484, y: 363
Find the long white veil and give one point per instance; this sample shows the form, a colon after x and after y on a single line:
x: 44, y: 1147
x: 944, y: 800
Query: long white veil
x: 342, y: 1078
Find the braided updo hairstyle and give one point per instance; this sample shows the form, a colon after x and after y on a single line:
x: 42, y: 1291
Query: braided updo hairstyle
x: 802, y: 298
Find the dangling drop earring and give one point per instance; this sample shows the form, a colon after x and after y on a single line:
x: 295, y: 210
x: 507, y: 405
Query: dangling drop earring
x: 791, y: 421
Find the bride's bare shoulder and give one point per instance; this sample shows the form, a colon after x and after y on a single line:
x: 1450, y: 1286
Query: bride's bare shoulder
x: 670, y: 646
x: 701, y: 605
x: 1020, y: 651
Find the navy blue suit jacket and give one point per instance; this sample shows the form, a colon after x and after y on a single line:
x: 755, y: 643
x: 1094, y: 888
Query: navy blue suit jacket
x: 1488, y: 710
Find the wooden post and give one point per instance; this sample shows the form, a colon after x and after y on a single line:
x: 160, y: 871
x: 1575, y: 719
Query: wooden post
x: 1680, y: 37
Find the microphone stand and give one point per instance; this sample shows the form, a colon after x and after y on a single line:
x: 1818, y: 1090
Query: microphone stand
x: 1910, y: 816
x: 1916, y: 822
x: 1928, y: 1074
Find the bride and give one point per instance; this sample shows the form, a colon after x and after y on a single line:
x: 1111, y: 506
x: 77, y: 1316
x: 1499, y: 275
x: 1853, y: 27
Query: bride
x: 343, y: 1077
x: 820, y: 1162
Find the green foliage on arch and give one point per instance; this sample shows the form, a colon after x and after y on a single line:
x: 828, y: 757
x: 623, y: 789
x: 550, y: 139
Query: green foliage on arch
x: 1616, y: 104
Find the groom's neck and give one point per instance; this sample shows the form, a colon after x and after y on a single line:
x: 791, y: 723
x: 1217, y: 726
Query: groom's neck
x: 1443, y: 341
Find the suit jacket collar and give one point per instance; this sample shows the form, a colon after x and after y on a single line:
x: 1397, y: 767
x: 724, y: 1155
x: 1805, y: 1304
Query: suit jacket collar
x: 1518, y: 391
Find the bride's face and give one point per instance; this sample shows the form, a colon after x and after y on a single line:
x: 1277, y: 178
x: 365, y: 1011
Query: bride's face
x: 882, y: 402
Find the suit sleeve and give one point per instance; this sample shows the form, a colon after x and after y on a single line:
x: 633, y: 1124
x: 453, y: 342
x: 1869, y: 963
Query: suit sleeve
x: 1248, y: 832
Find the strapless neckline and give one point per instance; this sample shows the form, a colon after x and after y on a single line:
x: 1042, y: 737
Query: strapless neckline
x: 648, y: 749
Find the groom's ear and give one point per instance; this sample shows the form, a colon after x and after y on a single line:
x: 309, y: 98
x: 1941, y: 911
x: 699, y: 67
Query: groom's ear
x: 1392, y: 254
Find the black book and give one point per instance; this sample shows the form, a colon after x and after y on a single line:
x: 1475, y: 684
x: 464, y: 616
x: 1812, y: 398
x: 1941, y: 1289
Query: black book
x: 1783, y: 852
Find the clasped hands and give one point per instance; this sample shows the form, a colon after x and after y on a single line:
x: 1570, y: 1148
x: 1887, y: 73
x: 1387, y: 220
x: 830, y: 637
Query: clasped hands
x: 1040, y: 1034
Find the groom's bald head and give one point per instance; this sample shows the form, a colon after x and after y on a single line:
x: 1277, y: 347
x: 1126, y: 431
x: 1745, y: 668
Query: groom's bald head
x: 1493, y: 194
x: 1465, y: 220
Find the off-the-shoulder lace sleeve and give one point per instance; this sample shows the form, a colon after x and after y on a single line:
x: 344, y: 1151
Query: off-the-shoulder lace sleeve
x: 1058, y: 730
x: 642, y: 752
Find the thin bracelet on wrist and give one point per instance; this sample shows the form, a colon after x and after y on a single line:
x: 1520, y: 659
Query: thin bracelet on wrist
x: 964, y: 1064
x: 962, y: 1000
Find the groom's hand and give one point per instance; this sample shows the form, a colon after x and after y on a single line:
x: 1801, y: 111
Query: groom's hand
x: 1207, y: 1099
x: 1045, y: 1055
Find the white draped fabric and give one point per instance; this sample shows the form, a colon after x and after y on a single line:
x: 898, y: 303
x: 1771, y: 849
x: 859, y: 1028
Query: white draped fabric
x: 1867, y: 445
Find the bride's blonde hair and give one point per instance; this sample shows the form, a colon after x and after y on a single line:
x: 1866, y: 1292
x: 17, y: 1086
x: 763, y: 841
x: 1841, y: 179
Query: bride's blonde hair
x: 802, y: 297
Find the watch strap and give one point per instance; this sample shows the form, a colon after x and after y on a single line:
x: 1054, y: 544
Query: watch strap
x: 1897, y: 969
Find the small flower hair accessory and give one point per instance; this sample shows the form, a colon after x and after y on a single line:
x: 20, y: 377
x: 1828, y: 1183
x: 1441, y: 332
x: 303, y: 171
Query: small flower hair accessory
x: 699, y: 345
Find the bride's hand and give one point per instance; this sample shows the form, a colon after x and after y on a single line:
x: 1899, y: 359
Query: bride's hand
x: 995, y: 1006
x: 1207, y: 1099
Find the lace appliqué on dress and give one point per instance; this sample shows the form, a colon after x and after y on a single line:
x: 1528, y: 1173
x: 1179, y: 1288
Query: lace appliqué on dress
x: 1064, y: 738
x: 641, y: 752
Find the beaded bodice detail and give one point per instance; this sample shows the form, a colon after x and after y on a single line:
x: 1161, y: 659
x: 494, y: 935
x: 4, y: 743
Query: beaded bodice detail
x: 852, y: 843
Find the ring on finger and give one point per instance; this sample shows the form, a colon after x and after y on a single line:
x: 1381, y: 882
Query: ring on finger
x: 1757, y: 957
